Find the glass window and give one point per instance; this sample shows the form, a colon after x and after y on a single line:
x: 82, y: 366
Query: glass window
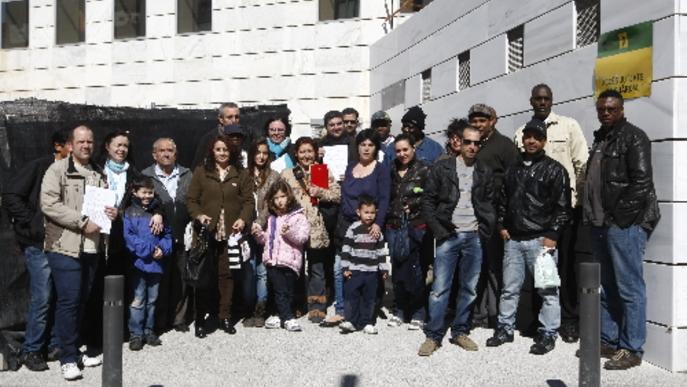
x: 194, y: 15
x: 129, y: 19
x: 339, y: 9
x: 587, y: 22
x: 70, y: 22
x: 426, y: 85
x: 15, y: 24
x: 464, y: 70
x: 516, y: 49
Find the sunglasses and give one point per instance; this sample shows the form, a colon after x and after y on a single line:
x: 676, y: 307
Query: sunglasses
x: 472, y: 142
x: 350, y: 121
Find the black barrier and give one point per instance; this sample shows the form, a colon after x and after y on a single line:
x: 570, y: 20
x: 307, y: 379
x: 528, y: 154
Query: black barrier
x: 113, y: 330
x: 590, y: 324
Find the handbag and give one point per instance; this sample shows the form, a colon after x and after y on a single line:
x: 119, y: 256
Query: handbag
x: 400, y: 245
x: 196, y: 265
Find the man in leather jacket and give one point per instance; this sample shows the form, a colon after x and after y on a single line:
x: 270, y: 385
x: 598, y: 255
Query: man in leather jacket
x: 533, y: 211
x: 621, y: 207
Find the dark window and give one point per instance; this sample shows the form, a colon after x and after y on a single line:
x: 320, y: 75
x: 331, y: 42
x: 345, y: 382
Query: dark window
x: 129, y: 19
x: 464, y: 70
x: 339, y: 9
x: 394, y: 95
x: 194, y: 15
x: 408, y: 6
x: 588, y: 17
x: 516, y: 45
x: 427, y: 85
x: 70, y: 22
x: 15, y: 24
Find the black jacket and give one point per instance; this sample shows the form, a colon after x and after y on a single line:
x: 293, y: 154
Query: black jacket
x: 441, y: 196
x: 535, y: 199
x: 21, y: 199
x: 498, y: 153
x: 628, y: 193
x: 344, y: 139
x: 407, y: 190
x: 174, y: 211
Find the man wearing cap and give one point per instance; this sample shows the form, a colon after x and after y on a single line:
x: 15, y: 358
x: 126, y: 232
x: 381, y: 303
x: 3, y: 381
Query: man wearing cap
x: 227, y: 114
x: 381, y: 122
x: 426, y: 149
x: 498, y: 153
x: 533, y: 211
x: 566, y: 144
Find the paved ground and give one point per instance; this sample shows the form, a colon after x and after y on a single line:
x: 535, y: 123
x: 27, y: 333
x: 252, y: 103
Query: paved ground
x: 323, y: 357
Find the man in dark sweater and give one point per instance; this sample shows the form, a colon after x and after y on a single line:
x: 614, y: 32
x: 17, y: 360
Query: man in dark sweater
x: 227, y: 114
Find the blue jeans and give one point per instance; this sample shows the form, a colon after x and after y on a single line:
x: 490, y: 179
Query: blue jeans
x: 37, y: 320
x: 464, y: 250
x: 73, y: 278
x: 360, y: 294
x: 145, y: 287
x: 520, y: 256
x: 260, y: 275
x: 338, y: 285
x: 623, y: 293
x: 408, y: 278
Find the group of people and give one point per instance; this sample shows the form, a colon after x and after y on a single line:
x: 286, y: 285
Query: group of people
x: 456, y: 228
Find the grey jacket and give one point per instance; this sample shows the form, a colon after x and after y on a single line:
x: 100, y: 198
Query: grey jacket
x: 174, y: 211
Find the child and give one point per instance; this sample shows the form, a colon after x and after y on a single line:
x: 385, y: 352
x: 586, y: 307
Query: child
x: 148, y: 251
x: 362, y: 255
x: 287, y: 232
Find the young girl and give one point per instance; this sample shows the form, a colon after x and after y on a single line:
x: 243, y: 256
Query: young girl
x: 286, y: 234
x: 148, y: 250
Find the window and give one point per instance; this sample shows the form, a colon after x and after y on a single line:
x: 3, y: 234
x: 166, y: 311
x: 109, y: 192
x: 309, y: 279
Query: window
x: 408, y: 6
x: 427, y: 85
x: 129, y: 19
x: 464, y: 70
x: 516, y: 43
x: 339, y: 9
x: 393, y: 95
x: 588, y: 17
x: 70, y: 22
x: 194, y: 15
x: 15, y: 24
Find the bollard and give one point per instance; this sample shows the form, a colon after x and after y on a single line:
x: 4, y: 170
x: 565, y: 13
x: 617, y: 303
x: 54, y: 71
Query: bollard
x: 590, y: 324
x: 113, y: 330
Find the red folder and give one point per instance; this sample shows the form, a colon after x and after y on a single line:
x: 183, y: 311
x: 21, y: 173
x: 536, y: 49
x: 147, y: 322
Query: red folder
x: 319, y: 177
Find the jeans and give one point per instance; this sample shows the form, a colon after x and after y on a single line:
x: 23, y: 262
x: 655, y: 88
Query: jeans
x: 39, y: 317
x: 623, y: 293
x: 283, y: 283
x: 317, y: 260
x: 73, y: 278
x: 408, y: 278
x: 520, y: 256
x: 145, y: 287
x: 464, y: 250
x: 360, y: 295
x: 338, y: 286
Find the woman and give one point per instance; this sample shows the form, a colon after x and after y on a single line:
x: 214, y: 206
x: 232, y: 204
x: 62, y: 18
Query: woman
x: 220, y: 197
x: 405, y: 229
x: 453, y: 133
x: 319, y: 248
x: 259, y: 159
x: 366, y: 176
x: 278, y: 130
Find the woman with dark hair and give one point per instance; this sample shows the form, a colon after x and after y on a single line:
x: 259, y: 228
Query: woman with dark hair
x: 319, y: 250
x: 220, y: 198
x: 366, y: 176
x: 454, y: 131
x: 278, y: 130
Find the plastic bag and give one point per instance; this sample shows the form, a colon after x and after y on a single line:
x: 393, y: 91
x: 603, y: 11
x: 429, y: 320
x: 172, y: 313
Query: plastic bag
x: 545, y: 270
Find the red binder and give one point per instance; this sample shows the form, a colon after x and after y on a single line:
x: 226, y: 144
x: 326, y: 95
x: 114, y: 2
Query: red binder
x: 319, y: 177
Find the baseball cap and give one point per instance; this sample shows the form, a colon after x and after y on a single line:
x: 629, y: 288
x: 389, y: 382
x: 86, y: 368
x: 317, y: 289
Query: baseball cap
x: 380, y: 116
x: 536, y: 125
x: 482, y: 110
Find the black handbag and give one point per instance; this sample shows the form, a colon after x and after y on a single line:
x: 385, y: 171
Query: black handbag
x: 197, y: 265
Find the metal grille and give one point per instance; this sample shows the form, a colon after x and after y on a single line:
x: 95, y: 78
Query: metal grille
x: 394, y: 95
x: 587, y: 22
x: 516, y: 43
x: 464, y: 70
x: 426, y: 85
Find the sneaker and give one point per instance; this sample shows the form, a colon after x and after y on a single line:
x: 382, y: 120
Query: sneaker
x: 136, y: 343
x: 273, y: 322
x: 70, y: 371
x: 428, y: 347
x: 53, y: 354
x: 500, y: 337
x: 292, y: 325
x: 543, y: 344
x: 622, y: 360
x: 347, y: 327
x: 88, y: 361
x: 33, y: 361
x: 394, y: 321
x: 153, y: 340
x: 415, y: 325
x: 606, y: 351
x: 370, y: 329
x: 569, y: 333
x: 464, y: 342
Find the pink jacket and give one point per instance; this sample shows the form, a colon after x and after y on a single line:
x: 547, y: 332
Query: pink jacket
x: 285, y: 250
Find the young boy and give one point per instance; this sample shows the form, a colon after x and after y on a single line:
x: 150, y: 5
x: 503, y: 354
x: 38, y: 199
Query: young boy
x: 148, y: 251
x: 362, y: 256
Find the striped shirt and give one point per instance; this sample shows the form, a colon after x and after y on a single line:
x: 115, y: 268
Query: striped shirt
x: 362, y: 252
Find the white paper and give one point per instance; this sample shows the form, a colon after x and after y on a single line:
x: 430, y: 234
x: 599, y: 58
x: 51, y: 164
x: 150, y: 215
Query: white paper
x: 279, y: 164
x: 95, y: 200
x: 336, y: 158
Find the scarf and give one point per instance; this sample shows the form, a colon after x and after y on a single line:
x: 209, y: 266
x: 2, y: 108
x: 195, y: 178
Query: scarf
x: 116, y: 167
x: 279, y: 149
x: 116, y: 178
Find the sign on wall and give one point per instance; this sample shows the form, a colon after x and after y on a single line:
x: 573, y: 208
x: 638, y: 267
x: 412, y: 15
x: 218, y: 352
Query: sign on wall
x: 623, y: 61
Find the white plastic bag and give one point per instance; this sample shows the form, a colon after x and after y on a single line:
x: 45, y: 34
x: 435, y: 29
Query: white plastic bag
x: 545, y: 270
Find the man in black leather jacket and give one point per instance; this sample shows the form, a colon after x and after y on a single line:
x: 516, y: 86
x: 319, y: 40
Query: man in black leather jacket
x: 533, y: 210
x: 620, y: 204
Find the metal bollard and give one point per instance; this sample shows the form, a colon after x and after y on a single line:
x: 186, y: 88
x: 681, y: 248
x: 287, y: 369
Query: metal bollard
x: 113, y: 330
x: 589, y: 281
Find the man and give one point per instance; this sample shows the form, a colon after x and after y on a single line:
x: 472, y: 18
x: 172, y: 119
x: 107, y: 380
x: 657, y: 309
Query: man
x: 533, y: 211
x: 171, y: 184
x: 620, y: 204
x: 350, y: 121
x: 457, y: 206
x: 381, y: 122
x: 426, y: 149
x: 72, y: 243
x: 227, y: 114
x: 337, y: 135
x: 21, y: 199
x: 497, y: 153
x: 566, y: 144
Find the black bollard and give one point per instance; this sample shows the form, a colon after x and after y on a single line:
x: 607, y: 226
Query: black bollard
x: 590, y: 324
x: 113, y: 330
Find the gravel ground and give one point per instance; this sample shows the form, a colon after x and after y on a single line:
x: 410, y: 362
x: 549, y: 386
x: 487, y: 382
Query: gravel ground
x: 323, y: 357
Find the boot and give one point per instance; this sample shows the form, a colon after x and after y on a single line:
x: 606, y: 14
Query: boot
x: 259, y: 315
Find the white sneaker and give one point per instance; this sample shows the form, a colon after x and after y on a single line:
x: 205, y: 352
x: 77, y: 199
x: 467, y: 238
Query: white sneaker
x: 370, y: 329
x: 394, y: 321
x: 292, y: 325
x: 415, y: 325
x: 70, y: 371
x: 273, y: 322
x: 88, y: 361
x: 347, y: 327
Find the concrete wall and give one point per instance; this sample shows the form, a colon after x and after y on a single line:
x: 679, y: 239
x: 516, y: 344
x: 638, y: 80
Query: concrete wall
x: 437, y: 35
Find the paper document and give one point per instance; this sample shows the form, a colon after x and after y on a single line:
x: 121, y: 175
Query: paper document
x: 336, y: 158
x: 95, y: 200
x: 279, y: 164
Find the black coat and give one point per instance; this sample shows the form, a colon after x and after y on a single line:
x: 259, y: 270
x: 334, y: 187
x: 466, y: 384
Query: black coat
x: 498, y: 153
x: 407, y: 190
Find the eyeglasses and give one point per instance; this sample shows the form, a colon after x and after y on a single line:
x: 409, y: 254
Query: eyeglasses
x: 277, y: 130
x: 472, y: 142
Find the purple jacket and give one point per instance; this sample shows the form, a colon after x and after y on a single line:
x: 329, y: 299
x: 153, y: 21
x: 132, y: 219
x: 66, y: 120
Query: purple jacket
x: 285, y: 250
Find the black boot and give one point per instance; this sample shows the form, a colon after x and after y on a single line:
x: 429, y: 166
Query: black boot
x: 227, y: 326
x: 200, y: 329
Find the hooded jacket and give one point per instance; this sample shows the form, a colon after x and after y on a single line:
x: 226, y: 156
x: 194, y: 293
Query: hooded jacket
x: 140, y: 242
x: 285, y: 250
